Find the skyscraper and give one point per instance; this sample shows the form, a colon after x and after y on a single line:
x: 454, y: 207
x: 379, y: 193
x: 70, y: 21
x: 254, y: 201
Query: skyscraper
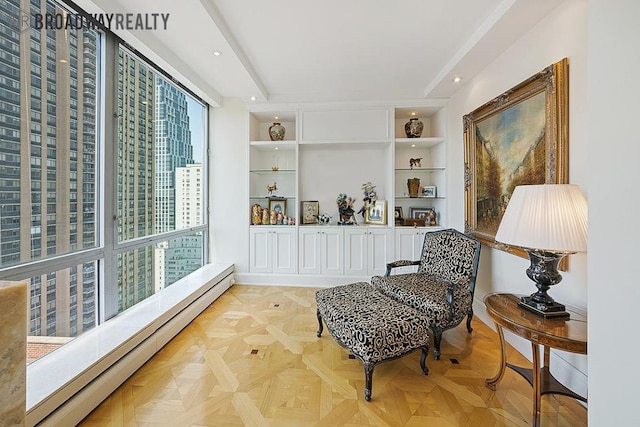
x: 184, y: 254
x: 48, y: 110
x: 173, y: 149
x: 136, y: 169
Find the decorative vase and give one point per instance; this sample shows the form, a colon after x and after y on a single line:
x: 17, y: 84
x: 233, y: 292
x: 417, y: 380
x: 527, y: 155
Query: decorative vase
x: 413, y: 128
x: 276, y: 132
x: 414, y: 186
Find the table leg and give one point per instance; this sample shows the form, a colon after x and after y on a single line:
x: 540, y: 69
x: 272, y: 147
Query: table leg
x: 537, y: 384
x: 546, y: 356
x: 491, y: 382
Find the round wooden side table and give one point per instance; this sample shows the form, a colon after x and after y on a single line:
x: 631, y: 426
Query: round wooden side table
x: 568, y: 334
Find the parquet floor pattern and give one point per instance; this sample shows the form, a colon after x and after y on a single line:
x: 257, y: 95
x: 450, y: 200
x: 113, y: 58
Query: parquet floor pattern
x: 253, y: 359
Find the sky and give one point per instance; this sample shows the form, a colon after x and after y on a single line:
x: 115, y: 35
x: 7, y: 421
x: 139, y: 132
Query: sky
x: 196, y: 126
x: 512, y: 132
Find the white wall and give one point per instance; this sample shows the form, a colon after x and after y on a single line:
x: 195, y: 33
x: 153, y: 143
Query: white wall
x: 229, y: 133
x: 604, y: 152
x: 563, y: 33
x: 614, y: 150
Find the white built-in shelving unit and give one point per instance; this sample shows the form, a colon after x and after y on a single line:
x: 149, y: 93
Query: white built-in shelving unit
x: 330, y: 150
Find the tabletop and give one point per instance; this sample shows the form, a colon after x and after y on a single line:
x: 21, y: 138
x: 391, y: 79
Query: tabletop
x: 568, y: 334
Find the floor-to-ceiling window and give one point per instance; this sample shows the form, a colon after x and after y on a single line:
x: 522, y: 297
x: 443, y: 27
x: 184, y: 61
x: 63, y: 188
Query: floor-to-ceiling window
x: 91, y: 243
x: 160, y: 181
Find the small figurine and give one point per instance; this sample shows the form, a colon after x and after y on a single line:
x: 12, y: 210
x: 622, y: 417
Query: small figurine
x: 345, y: 207
x: 370, y: 197
x: 265, y: 217
x: 256, y: 214
x: 431, y: 217
x: 279, y: 218
x: 271, y: 189
x: 324, y: 219
x: 273, y: 220
x: 415, y: 162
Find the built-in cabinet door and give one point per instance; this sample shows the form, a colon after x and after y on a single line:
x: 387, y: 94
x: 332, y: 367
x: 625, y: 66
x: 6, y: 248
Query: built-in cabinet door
x: 273, y: 250
x: 332, y: 251
x: 321, y: 250
x: 284, y: 250
x: 260, y: 258
x: 380, y: 250
x: 367, y: 251
x: 409, y: 243
x: 355, y: 251
x: 309, y: 260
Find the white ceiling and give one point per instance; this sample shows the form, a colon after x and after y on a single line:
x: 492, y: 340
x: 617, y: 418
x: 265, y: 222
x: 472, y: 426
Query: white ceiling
x: 330, y: 50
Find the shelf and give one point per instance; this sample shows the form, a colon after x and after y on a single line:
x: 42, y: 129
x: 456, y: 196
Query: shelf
x: 419, y: 198
x: 272, y: 198
x: 272, y: 172
x: 272, y: 225
x: 418, y: 142
x: 417, y: 170
x: 274, y: 145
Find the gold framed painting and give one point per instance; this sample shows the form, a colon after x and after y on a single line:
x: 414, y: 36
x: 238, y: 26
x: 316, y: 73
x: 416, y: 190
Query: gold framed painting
x: 518, y: 138
x: 309, y: 210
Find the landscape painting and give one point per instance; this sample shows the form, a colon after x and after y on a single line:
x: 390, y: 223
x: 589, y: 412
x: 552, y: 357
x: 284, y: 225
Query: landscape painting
x: 518, y: 138
x: 510, y: 150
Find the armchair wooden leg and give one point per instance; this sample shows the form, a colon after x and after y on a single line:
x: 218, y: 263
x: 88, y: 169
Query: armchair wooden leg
x: 437, y: 338
x: 319, y: 333
x: 423, y: 358
x: 368, y: 373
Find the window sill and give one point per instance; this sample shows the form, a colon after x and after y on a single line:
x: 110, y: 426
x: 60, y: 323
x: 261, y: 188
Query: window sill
x: 56, y: 377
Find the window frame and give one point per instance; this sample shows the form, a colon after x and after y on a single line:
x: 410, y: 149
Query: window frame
x: 107, y: 247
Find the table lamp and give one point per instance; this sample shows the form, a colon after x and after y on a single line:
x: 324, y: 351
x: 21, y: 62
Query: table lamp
x: 548, y: 221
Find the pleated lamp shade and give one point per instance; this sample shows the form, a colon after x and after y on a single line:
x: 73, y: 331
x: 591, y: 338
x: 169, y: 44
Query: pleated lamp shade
x: 548, y: 217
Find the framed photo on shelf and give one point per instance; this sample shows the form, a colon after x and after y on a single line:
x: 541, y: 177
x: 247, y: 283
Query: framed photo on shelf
x: 278, y: 205
x: 429, y: 191
x: 376, y: 214
x: 309, y: 211
x: 428, y: 215
x: 420, y: 213
x: 398, y: 214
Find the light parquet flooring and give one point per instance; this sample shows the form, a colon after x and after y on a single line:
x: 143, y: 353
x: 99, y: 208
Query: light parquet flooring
x: 253, y: 359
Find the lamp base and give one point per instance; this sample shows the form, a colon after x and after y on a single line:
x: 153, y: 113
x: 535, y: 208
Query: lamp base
x: 544, y: 309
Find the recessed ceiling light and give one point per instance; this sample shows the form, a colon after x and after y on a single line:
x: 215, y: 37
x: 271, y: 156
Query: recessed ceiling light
x: 253, y: 98
x: 217, y: 53
x: 276, y: 117
x: 276, y: 148
x: 413, y: 113
x: 457, y: 79
x: 413, y: 145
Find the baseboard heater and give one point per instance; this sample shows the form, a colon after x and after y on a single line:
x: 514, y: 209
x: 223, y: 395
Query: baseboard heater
x: 81, y: 402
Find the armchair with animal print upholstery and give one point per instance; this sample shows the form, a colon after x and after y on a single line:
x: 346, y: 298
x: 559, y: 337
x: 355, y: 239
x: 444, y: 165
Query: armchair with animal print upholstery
x: 444, y: 283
